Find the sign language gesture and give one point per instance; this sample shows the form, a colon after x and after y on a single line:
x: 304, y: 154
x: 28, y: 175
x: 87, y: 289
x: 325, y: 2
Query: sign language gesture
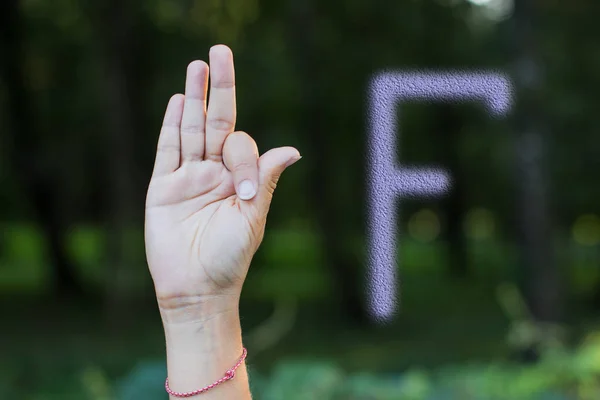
x: 210, y: 191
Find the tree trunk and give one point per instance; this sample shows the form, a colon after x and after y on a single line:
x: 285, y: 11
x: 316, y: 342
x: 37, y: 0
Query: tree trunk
x: 41, y: 186
x: 542, y: 280
x: 114, y: 22
x: 344, y: 266
x: 449, y: 129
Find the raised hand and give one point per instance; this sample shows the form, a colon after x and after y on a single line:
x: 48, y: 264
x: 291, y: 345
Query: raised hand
x: 210, y: 191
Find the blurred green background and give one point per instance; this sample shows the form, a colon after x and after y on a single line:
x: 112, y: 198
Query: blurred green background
x: 500, y: 279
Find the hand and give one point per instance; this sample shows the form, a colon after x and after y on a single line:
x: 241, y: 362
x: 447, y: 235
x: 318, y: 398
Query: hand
x: 210, y: 192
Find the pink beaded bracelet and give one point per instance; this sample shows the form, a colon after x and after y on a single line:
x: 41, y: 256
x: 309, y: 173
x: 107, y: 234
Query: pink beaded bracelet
x: 228, y: 376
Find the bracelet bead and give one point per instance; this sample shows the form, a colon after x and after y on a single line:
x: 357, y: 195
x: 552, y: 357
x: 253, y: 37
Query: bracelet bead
x: 229, y: 374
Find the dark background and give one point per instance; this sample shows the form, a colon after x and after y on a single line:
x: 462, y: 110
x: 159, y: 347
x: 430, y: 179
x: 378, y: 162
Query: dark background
x: 500, y: 279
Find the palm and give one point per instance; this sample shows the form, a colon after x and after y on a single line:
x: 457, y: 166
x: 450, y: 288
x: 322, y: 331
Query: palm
x: 200, y: 232
x: 195, y: 211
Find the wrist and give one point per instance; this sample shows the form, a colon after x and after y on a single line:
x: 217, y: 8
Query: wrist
x: 196, y: 310
x: 208, y: 336
x: 204, y: 341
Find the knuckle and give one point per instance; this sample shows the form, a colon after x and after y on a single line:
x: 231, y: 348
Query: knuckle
x: 238, y: 138
x: 194, y: 155
x: 272, y: 185
x: 168, y: 148
x: 243, y: 165
x: 224, y: 84
x: 220, y: 124
x: 191, y: 129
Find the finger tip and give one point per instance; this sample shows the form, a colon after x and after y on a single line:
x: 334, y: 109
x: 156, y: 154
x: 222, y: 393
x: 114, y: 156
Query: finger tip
x: 197, y: 67
x: 176, y: 98
x: 293, y: 160
x: 220, y: 50
x: 246, y: 190
x: 295, y: 153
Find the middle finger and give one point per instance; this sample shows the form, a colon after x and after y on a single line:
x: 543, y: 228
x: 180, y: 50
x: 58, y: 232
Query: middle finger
x: 221, y: 114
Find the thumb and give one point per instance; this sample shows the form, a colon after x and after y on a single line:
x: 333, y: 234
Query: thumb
x: 270, y: 167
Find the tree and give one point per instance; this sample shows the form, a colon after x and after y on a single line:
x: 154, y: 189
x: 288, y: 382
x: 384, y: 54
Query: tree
x: 449, y: 123
x: 323, y: 149
x: 542, y: 278
x: 119, y: 38
x: 41, y: 185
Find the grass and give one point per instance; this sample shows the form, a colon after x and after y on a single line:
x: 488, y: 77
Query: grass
x: 49, y: 350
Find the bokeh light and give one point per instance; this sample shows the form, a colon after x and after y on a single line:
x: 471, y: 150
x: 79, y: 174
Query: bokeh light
x: 479, y: 224
x: 586, y: 230
x: 424, y: 226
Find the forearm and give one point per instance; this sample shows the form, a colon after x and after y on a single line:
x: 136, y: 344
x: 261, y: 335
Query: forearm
x: 203, y: 342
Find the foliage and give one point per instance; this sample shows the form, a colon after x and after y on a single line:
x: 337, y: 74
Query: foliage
x: 145, y: 381
x: 295, y: 58
x: 559, y: 375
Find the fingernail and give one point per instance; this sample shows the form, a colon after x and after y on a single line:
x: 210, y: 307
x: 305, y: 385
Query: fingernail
x: 246, y: 190
x: 292, y: 160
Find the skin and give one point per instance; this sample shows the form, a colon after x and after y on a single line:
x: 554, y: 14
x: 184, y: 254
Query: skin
x: 203, y: 226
